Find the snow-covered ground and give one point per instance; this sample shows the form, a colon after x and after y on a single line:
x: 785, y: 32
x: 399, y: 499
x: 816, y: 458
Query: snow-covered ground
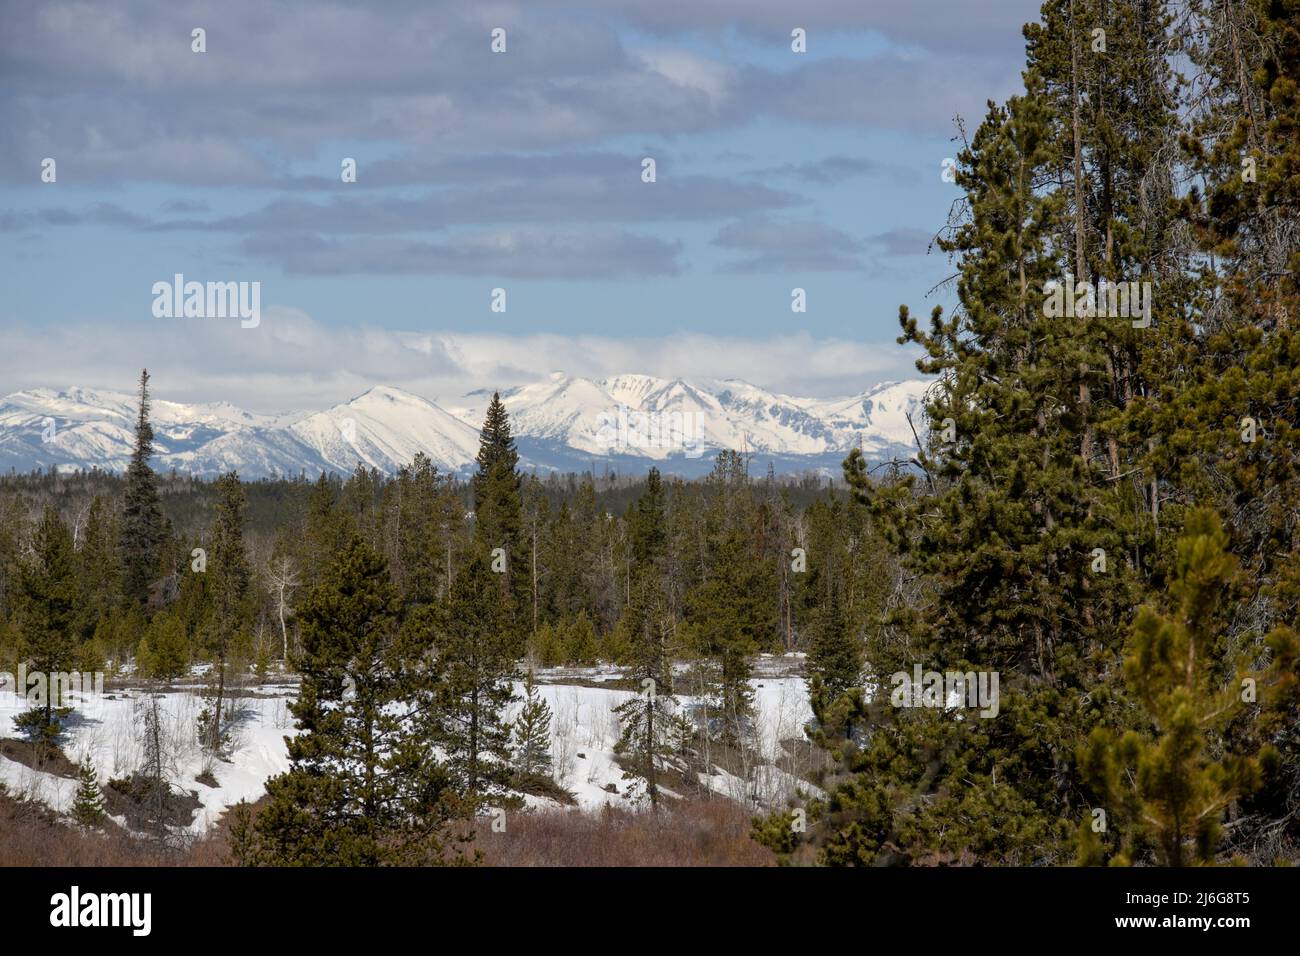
x: 105, y: 730
x: 584, y: 731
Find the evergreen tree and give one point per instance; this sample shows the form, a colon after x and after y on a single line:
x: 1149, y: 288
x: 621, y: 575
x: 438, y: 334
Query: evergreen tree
x: 477, y: 664
x: 327, y: 530
x: 580, y: 646
x: 49, y: 593
x: 1030, y: 553
x: 733, y: 613
x: 365, y: 786
x: 498, y: 514
x: 88, y: 804
x: 419, y: 555
x: 1171, y: 789
x: 548, y: 646
x: 167, y: 651
x: 532, y: 731
x: 143, y: 528
x: 498, y: 511
x: 646, y: 525
x: 834, y: 664
x: 229, y: 577
x: 99, y: 573
x: 647, y: 738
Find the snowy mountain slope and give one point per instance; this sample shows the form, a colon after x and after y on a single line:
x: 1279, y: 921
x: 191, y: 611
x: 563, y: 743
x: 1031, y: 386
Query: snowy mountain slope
x: 564, y: 423
x: 665, y: 418
x: 385, y: 428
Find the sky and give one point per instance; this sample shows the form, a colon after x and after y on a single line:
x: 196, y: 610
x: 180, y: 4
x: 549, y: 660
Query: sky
x: 478, y: 170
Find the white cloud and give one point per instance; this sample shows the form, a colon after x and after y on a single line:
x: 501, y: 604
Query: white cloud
x: 290, y: 361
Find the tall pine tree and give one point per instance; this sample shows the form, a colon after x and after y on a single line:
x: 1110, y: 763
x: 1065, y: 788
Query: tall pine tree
x: 142, y: 529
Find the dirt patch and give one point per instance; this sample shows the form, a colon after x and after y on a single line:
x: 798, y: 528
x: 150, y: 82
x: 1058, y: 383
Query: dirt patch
x: 541, y: 785
x: 38, y: 755
x: 145, y: 805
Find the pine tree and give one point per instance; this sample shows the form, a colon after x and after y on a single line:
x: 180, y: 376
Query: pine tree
x: 152, y: 781
x: 365, y: 786
x: 99, y: 573
x: 168, y: 655
x: 647, y: 729
x: 88, y: 804
x: 142, y: 531
x: 532, y: 732
x: 537, y: 514
x: 834, y: 664
x: 647, y: 738
x: 326, y: 529
x: 649, y: 735
x: 547, y: 646
x: 580, y: 645
x: 498, y: 512
x: 733, y: 614
x: 1016, y: 536
x: 1171, y: 789
x: 476, y: 665
x: 49, y: 592
x: 229, y: 577
x: 419, y: 554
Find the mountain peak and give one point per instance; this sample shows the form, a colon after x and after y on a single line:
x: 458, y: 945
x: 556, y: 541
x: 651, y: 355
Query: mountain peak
x: 562, y: 422
x: 388, y: 393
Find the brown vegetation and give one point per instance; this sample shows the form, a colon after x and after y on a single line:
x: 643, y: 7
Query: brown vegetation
x: 690, y: 833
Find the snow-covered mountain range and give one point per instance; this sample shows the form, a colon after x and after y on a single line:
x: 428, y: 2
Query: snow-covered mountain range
x: 626, y: 422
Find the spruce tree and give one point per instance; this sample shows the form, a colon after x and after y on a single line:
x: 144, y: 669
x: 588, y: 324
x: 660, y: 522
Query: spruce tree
x: 498, y: 512
x: 142, y: 529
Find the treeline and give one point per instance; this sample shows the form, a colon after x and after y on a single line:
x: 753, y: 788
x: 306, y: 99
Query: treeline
x: 570, y: 545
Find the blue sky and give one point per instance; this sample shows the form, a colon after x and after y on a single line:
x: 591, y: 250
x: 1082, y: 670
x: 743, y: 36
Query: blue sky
x: 479, y: 170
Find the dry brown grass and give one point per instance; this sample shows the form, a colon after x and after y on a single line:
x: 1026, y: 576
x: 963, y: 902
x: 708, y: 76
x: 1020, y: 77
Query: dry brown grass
x: 689, y: 833
x: 32, y: 835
